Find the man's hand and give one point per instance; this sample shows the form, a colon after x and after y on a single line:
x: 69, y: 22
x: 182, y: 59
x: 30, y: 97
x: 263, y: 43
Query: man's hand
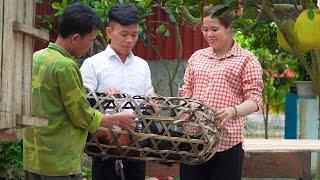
x: 184, y: 116
x: 225, y: 114
x: 112, y: 91
x: 153, y: 97
x: 123, y: 119
x: 153, y: 94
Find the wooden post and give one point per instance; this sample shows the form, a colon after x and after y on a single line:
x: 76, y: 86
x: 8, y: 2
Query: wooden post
x: 27, y: 78
x: 1, y: 42
x: 7, y: 88
x: 18, y: 61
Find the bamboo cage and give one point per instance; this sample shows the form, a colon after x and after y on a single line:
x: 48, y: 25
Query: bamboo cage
x: 17, y: 33
x: 167, y: 129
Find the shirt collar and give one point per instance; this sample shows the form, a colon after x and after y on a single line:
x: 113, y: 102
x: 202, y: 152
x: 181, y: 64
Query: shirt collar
x: 234, y: 51
x: 60, y: 49
x: 110, y: 53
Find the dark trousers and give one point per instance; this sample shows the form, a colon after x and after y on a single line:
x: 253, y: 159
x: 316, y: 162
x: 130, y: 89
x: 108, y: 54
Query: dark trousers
x: 105, y: 169
x: 33, y: 176
x: 225, y: 165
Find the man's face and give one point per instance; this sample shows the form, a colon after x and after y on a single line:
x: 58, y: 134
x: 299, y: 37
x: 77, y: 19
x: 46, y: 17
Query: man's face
x: 84, y: 43
x: 123, y: 38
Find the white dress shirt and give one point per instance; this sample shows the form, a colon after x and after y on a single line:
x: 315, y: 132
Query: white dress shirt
x: 106, y: 70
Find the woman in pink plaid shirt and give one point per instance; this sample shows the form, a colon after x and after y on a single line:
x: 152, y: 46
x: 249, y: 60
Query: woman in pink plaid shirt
x: 229, y: 79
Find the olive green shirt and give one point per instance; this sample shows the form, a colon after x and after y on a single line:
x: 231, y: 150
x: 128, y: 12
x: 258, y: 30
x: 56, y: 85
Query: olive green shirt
x: 58, y: 95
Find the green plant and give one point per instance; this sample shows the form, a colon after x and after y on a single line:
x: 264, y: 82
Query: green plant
x: 311, y: 65
x: 102, y: 7
x: 257, y: 35
x: 302, y: 74
x: 86, y: 173
x: 178, y: 11
x: 278, y: 13
x: 278, y: 66
x: 11, y: 160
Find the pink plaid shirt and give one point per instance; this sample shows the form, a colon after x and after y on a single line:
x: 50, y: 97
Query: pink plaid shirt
x: 223, y: 82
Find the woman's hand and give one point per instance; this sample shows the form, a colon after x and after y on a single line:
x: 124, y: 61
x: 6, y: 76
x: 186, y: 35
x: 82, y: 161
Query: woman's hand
x: 225, y: 114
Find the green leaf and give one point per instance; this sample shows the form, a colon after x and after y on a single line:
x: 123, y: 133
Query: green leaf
x: 140, y: 28
x: 214, y: 2
x: 64, y: 3
x: 231, y: 3
x: 311, y: 15
x: 167, y: 33
x: 172, y: 18
x: 250, y: 11
x: 161, y: 29
x: 220, y: 12
x: 56, y: 5
x: 178, y: 10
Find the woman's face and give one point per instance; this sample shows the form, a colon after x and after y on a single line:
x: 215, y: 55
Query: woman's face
x: 215, y: 33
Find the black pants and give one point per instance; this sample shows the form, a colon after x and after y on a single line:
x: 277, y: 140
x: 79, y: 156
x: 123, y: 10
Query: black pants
x: 105, y: 169
x: 33, y: 176
x: 225, y: 165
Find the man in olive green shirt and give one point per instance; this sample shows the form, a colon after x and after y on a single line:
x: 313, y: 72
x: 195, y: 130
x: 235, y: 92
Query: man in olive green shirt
x: 54, y: 152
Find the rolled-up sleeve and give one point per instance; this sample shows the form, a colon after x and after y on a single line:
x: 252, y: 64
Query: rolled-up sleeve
x: 81, y: 114
x: 252, y: 81
x: 187, y: 89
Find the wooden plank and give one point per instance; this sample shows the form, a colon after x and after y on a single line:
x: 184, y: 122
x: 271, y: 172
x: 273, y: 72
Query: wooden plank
x: 32, y: 121
x: 7, y: 83
x: 30, y: 30
x: 28, y: 52
x: 17, y: 74
x: 1, y: 55
x: 1, y: 35
x: 281, y: 145
x: 24, y: 120
x: 6, y: 137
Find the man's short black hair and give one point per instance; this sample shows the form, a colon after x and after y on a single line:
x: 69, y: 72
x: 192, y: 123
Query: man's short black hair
x: 78, y: 18
x: 124, y: 14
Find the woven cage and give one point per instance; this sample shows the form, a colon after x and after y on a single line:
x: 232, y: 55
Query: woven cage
x: 167, y: 129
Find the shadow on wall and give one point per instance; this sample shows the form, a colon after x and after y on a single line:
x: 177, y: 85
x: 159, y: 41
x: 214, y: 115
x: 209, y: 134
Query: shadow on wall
x: 160, y: 78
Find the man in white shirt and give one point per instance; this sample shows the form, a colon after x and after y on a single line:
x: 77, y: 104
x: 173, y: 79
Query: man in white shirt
x: 116, y: 69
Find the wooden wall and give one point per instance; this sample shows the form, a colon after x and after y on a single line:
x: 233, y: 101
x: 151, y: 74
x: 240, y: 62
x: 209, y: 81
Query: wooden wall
x: 16, y: 48
x: 15, y: 60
